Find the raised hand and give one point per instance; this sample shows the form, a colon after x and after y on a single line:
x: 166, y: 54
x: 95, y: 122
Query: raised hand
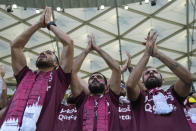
x: 94, y: 46
x: 89, y: 47
x: 128, y: 55
x: 155, y: 49
x: 42, y: 19
x: 47, y: 18
x: 150, y: 43
x: 2, y: 71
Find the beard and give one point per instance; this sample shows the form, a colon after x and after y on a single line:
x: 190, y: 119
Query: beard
x: 153, y: 83
x: 43, y: 64
x: 94, y: 89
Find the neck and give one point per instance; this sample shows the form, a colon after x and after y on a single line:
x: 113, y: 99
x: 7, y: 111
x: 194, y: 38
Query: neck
x: 46, y: 69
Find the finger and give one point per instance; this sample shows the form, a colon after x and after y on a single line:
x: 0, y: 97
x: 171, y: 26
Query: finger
x: 148, y: 36
x: 153, y: 35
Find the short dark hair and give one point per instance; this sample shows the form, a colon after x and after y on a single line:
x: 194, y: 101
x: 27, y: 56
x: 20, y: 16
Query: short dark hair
x: 105, y: 79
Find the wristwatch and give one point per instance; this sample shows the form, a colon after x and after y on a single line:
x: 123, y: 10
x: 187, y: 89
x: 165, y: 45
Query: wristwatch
x: 50, y: 23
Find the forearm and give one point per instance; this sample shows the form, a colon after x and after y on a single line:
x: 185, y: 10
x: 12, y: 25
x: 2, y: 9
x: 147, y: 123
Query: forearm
x: 2, y: 111
x: 136, y: 74
x: 4, y: 94
x: 108, y: 59
x: 62, y: 36
x: 79, y: 60
x: 177, y: 69
x: 22, y: 39
x: 76, y: 87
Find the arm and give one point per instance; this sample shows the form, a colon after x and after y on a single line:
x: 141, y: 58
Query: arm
x: 194, y: 95
x: 18, y: 59
x: 182, y: 86
x: 114, y: 66
x: 4, y: 95
x: 76, y: 67
x: 77, y: 84
x: 2, y: 111
x: 133, y: 89
x: 66, y: 61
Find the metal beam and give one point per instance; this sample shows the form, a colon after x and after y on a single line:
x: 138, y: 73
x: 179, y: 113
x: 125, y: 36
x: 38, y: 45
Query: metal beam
x: 187, y: 31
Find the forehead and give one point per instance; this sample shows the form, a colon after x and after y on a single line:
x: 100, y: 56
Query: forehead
x: 151, y: 69
x: 96, y: 74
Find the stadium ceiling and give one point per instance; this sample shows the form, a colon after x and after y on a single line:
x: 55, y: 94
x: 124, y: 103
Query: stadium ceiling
x: 117, y: 29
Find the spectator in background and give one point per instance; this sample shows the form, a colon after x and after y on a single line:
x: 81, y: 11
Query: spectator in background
x: 3, y: 91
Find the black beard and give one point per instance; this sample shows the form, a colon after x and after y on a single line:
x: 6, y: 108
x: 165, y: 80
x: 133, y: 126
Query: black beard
x: 43, y: 64
x: 153, y: 83
x: 97, y: 89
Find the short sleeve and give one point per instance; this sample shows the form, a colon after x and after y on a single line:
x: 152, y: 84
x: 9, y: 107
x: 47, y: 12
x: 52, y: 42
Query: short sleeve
x: 21, y: 74
x: 63, y: 77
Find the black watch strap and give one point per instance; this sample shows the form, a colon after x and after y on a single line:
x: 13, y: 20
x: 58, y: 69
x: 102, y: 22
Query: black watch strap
x: 50, y: 23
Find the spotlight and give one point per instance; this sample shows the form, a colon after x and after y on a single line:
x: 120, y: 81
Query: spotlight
x: 126, y: 7
x: 58, y: 9
x: 101, y: 7
x: 37, y: 11
x: 14, y: 6
x: 153, y: 2
x: 9, y: 8
x: 147, y: 1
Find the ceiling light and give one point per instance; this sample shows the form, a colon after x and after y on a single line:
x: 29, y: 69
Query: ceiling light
x: 169, y: 0
x: 101, y: 7
x: 37, y: 11
x: 14, y: 6
x: 147, y: 1
x: 126, y: 7
x: 58, y: 9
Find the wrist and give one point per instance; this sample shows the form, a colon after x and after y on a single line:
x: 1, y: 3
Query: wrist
x: 49, y: 24
x: 38, y: 24
x: 146, y: 53
x: 156, y: 54
x: 86, y: 51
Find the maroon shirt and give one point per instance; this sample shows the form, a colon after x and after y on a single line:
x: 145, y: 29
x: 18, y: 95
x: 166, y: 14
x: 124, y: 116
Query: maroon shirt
x: 146, y: 120
x: 113, y: 116
x: 67, y: 118
x: 126, y: 117
x: 54, y: 95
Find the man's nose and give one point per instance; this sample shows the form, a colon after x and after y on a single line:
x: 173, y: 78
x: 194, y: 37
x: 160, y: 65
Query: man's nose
x: 151, y: 73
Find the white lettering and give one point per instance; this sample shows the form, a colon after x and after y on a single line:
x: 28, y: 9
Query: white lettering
x: 127, y: 109
x: 148, y: 107
x: 65, y: 117
x: 125, y: 117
